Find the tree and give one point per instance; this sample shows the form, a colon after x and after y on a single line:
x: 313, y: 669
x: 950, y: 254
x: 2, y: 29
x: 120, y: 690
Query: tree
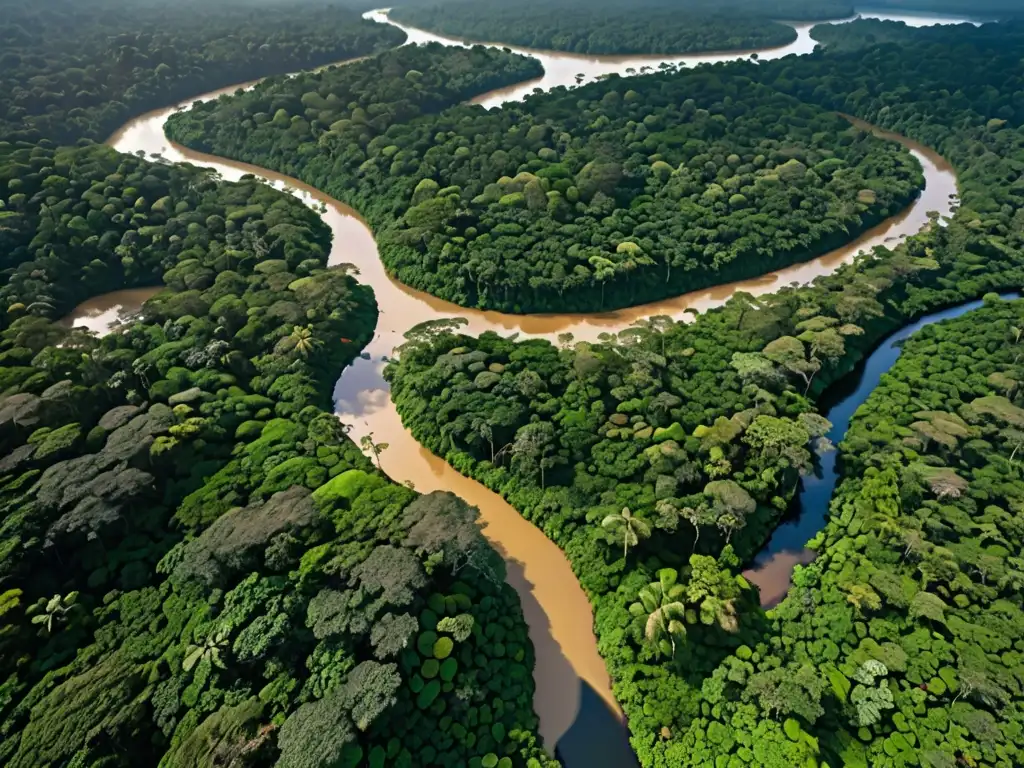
x: 731, y: 504
x: 788, y: 690
x: 440, y: 524
x: 460, y: 627
x: 861, y: 596
x: 532, y: 448
x: 486, y: 432
x: 634, y: 529
x: 978, y: 683
x: 604, y: 270
x: 656, y: 325
x: 303, y: 341
x: 55, y: 611
x: 869, y: 699
x: 869, y: 703
x: 393, y: 574
x: 779, y: 441
x: 660, y: 601
x: 713, y: 591
x: 232, y: 542
x: 368, y: 445
x: 104, y: 699
x: 321, y: 733
x: 756, y: 368
x: 827, y: 345
x: 789, y: 353
x: 226, y: 737
x: 1013, y: 436
x: 929, y: 606
x: 210, y: 650
x: 698, y: 515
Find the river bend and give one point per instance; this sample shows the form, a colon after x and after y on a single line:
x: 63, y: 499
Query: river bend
x: 569, y: 669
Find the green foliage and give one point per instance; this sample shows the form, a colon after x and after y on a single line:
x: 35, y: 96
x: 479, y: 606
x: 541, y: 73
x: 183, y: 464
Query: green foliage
x: 915, y: 595
x: 917, y: 572
x: 443, y: 647
x: 342, y: 489
x: 624, y: 231
x: 106, y: 63
x: 459, y: 626
x: 217, y: 736
x: 652, y: 26
x: 182, y: 585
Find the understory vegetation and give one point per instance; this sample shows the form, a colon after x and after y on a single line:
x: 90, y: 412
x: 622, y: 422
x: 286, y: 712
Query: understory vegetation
x: 623, y: 191
x: 70, y: 70
x: 197, y: 566
x: 660, y: 459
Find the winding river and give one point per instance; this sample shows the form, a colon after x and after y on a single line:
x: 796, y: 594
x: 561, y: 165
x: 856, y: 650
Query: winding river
x: 786, y: 548
x: 574, y: 700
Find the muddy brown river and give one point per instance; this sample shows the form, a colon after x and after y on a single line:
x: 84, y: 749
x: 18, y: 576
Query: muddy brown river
x: 569, y: 669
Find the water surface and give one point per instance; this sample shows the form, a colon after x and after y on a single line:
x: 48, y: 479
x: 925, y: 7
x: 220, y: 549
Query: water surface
x: 572, y: 683
x: 101, y: 313
x: 772, y: 570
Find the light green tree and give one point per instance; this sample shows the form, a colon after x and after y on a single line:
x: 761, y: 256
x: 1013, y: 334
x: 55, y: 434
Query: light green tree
x: 303, y: 341
x: 209, y: 650
x: 55, y: 611
x: 662, y: 601
x: 368, y: 445
x: 634, y: 529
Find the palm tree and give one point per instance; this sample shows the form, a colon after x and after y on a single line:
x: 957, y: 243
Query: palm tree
x: 661, y: 600
x: 303, y: 340
x: 369, y: 446
x: 55, y: 611
x: 634, y: 529
x: 210, y: 650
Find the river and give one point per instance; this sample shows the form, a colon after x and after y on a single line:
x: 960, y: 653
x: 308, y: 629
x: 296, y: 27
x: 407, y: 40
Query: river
x: 786, y: 548
x: 101, y: 313
x: 563, y: 68
x: 568, y: 670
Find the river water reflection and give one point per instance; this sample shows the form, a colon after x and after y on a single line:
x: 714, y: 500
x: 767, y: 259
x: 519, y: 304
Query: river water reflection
x: 569, y: 668
x: 773, y: 568
x: 101, y: 313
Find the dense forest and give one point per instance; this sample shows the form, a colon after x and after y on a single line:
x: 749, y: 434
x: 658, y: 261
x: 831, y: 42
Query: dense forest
x: 197, y: 566
x: 610, y: 27
x: 661, y: 458
x: 920, y: 579
x: 71, y: 70
x: 991, y: 9
x: 625, y: 190
x: 657, y: 26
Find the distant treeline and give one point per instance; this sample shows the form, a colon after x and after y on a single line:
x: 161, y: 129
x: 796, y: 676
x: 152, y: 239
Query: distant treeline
x: 609, y: 27
x: 70, y: 71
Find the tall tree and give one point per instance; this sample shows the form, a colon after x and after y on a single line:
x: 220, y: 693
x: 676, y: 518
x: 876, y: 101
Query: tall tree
x: 632, y: 528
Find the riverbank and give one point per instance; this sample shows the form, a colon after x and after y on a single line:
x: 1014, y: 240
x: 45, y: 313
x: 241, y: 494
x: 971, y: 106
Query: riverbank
x: 556, y: 609
x: 772, y: 569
